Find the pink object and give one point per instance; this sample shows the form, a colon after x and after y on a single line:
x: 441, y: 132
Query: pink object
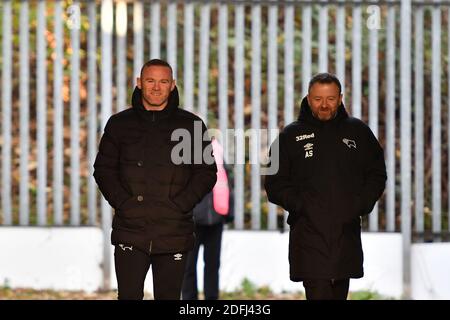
x: 221, y: 192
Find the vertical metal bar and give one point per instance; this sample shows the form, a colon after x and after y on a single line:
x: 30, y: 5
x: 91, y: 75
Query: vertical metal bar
x: 188, y: 82
x: 58, y: 118
x: 172, y: 36
x: 6, y: 112
x: 272, y: 81
x: 405, y: 102
x: 256, y: 117
x: 448, y: 123
x: 306, y: 44
x: 239, y: 91
x: 75, y: 124
x: 121, y: 66
x: 138, y: 39
x: 204, y: 58
x: 419, y: 120
x: 356, y: 61
x: 92, y: 111
x: 41, y: 113
x: 289, y: 65
x: 223, y: 71
x: 436, y: 119
x: 323, y: 37
x: 390, y: 119
x: 373, y: 105
x: 340, y: 44
x: 155, y: 31
x: 24, y: 217
x: 106, y: 105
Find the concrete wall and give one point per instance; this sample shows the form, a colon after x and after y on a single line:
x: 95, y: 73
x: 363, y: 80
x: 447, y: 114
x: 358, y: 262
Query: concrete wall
x: 430, y: 269
x: 71, y: 258
x: 57, y: 258
x: 262, y: 257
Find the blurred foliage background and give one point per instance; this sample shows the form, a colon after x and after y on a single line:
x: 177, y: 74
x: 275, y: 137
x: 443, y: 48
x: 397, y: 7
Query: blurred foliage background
x: 213, y: 90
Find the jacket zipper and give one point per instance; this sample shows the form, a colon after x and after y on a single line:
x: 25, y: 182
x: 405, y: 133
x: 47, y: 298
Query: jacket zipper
x: 150, y: 249
x: 153, y: 115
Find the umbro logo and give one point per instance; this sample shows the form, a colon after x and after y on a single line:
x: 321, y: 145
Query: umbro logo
x: 308, y: 146
x: 177, y: 256
x: 349, y: 143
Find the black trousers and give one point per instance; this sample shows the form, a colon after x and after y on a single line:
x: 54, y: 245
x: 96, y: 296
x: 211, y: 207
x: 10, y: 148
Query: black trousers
x: 321, y: 289
x: 211, y: 238
x: 131, y: 269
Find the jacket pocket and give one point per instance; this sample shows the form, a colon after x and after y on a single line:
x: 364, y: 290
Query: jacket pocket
x: 129, y: 223
x: 352, y: 230
x: 352, y: 208
x: 132, y: 208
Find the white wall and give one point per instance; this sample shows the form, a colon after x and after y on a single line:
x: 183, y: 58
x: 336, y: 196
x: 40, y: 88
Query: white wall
x: 430, y: 271
x: 54, y: 258
x: 70, y: 258
x: 262, y: 257
x: 383, y: 265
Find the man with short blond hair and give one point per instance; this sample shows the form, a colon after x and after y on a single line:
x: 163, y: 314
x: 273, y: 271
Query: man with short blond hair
x: 153, y: 194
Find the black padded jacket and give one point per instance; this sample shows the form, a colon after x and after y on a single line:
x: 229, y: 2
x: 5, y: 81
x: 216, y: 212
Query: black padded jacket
x: 153, y: 196
x: 330, y: 174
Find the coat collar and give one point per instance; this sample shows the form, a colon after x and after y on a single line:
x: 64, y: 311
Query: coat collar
x: 154, y: 116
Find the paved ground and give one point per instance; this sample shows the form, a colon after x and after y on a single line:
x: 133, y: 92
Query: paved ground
x: 245, y: 293
x: 29, y: 294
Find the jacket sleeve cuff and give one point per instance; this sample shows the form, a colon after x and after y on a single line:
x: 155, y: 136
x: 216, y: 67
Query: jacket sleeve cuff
x: 364, y: 208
